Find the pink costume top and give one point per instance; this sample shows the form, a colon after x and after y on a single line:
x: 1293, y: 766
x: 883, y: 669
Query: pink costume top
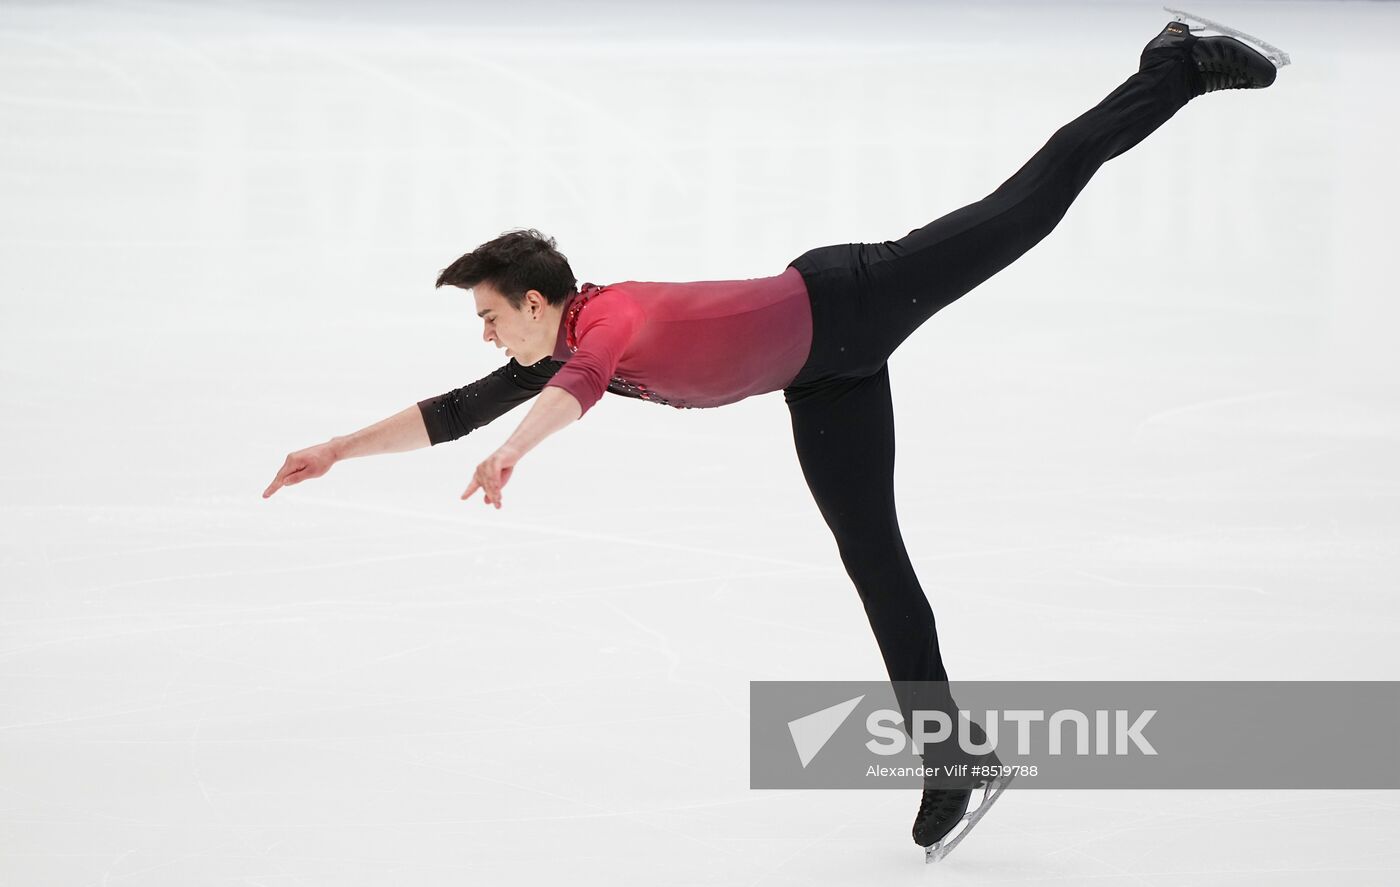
x: 700, y: 344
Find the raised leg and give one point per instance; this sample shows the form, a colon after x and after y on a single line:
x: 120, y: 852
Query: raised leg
x: 905, y: 281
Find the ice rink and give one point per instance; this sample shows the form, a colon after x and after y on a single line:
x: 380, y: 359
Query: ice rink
x: 1163, y: 445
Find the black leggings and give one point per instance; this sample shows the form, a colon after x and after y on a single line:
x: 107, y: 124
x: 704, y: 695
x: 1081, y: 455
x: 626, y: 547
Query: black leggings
x: 868, y: 297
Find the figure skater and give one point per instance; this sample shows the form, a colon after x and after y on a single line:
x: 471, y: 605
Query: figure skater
x: 822, y: 332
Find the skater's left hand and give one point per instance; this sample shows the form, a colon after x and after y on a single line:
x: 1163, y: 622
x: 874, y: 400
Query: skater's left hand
x: 492, y: 475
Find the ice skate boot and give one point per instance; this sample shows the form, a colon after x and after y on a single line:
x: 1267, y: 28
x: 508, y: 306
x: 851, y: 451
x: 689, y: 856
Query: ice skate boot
x: 943, y: 819
x: 1219, y: 62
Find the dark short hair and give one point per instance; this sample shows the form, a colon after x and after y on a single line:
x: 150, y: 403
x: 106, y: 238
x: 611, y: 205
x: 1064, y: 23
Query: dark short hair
x: 514, y: 263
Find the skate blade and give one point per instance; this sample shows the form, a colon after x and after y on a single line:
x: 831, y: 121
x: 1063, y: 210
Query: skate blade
x: 1271, y: 52
x: 992, y: 791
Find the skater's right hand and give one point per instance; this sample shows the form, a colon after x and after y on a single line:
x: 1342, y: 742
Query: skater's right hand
x: 303, y: 465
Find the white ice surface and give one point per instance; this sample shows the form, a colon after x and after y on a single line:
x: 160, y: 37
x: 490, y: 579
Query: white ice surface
x: 1162, y: 445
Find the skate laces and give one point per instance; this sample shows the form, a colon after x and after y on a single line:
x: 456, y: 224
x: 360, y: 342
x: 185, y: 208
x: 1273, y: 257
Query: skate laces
x: 941, y: 803
x: 1223, y: 69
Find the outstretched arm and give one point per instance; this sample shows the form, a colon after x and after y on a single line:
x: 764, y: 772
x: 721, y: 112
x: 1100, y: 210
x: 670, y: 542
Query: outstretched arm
x: 405, y: 430
x: 554, y: 409
x: 433, y: 421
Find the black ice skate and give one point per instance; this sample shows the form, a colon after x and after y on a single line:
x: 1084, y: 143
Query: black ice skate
x: 1222, y: 62
x: 943, y: 810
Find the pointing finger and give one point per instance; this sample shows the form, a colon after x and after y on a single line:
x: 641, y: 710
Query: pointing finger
x: 277, y: 481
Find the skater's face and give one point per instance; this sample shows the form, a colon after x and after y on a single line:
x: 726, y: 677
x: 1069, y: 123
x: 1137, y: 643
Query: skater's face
x: 526, y: 333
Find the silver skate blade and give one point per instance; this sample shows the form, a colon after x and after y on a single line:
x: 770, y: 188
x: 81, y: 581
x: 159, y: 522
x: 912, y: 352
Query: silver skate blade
x: 992, y: 791
x: 1271, y: 52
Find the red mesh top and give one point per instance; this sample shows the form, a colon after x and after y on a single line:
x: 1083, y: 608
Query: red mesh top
x: 699, y: 344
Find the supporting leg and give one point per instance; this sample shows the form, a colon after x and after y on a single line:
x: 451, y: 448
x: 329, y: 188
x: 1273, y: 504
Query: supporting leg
x: 844, y: 434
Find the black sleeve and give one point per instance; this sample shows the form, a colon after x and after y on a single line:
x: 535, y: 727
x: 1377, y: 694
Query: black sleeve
x: 451, y: 415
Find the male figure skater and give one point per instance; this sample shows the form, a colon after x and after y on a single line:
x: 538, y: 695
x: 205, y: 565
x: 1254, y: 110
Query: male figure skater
x: 821, y: 332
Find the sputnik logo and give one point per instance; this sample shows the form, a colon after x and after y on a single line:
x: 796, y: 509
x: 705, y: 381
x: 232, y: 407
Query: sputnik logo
x: 810, y: 733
